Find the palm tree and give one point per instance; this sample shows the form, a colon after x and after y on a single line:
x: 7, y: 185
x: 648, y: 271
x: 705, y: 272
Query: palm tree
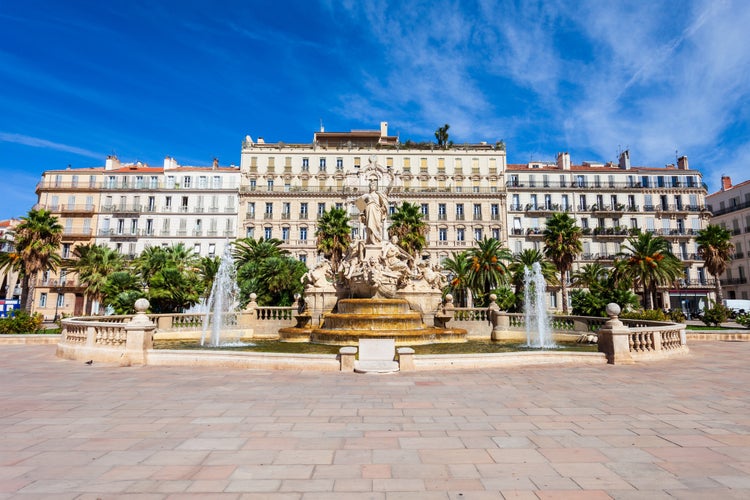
x: 207, y: 270
x: 651, y: 264
x: 488, y: 271
x: 333, y: 235
x: 441, y: 134
x: 562, y: 243
x: 407, y: 225
x: 525, y: 259
x: 459, y: 268
x: 37, y: 242
x: 716, y: 248
x: 252, y: 251
x: 93, y: 263
x: 589, y: 275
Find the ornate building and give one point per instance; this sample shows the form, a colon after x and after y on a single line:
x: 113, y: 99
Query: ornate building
x: 730, y: 207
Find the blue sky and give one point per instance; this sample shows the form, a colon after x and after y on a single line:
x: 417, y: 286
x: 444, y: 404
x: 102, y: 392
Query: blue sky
x: 80, y: 80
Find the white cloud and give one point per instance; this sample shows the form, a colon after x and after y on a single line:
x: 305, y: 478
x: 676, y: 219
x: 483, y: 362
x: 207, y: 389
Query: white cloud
x: 36, y: 142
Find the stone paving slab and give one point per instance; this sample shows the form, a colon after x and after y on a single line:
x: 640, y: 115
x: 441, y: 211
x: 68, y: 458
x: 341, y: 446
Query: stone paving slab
x: 677, y: 428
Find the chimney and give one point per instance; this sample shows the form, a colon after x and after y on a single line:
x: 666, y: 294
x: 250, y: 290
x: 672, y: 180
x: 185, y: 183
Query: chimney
x: 726, y: 182
x: 215, y: 164
x: 111, y: 163
x: 170, y: 163
x: 383, y: 129
x: 682, y: 163
x: 563, y: 161
x: 624, y: 161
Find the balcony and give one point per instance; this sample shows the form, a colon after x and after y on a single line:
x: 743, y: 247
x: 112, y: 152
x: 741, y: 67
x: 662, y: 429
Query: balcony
x: 611, y: 232
x: 535, y: 232
x: 76, y: 234
x: 617, y: 208
x: 733, y: 281
x: 122, y: 209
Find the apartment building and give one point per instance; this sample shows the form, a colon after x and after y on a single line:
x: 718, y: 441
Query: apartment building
x: 609, y: 201
x: 286, y: 187
x: 10, y: 283
x: 129, y: 207
x: 730, y: 207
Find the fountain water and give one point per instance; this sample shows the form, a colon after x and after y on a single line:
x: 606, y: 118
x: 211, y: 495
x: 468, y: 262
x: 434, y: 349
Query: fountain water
x: 223, y: 299
x: 538, y: 330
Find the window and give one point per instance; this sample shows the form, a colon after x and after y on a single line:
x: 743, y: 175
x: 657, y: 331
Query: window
x: 285, y: 234
x: 305, y: 164
x: 339, y: 164
x: 495, y: 211
x: 322, y: 164
x: 441, y: 211
x: 459, y: 211
x: 65, y: 250
x: 168, y: 203
x: 515, y: 204
x: 197, y: 248
x: 267, y: 233
x: 442, y: 234
x: 186, y: 181
x: 251, y: 210
x: 269, y: 184
x: 269, y: 210
x: 303, y: 211
x: 202, y: 182
x: 495, y: 233
x: 60, y: 299
x: 303, y: 233
x: 478, y: 233
x: 250, y: 232
x: 286, y: 210
x: 321, y: 209
x: 211, y: 249
x: 425, y: 210
x: 460, y: 234
x: 477, y: 211
x: 217, y: 182
x: 253, y: 184
x: 43, y: 299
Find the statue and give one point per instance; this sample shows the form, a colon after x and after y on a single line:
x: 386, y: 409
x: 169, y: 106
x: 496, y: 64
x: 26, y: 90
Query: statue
x: 396, y: 258
x: 432, y: 276
x: 373, y: 208
x: 317, y: 277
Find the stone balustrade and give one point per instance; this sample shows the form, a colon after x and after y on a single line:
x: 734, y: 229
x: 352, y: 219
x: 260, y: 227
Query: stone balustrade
x: 128, y: 339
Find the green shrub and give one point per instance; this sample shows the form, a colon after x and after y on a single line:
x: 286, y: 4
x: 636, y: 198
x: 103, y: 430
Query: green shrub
x: 21, y: 322
x: 649, y: 314
x: 743, y: 319
x: 677, y: 316
x: 716, y: 315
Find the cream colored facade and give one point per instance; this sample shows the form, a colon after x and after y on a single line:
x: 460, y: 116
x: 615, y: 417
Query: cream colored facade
x: 730, y: 207
x: 129, y: 207
x: 609, y: 201
x: 285, y: 187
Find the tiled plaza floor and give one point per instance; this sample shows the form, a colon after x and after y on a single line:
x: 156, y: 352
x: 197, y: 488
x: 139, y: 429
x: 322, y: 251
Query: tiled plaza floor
x: 669, y: 429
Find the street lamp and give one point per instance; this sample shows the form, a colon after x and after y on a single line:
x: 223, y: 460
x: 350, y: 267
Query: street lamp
x: 57, y: 301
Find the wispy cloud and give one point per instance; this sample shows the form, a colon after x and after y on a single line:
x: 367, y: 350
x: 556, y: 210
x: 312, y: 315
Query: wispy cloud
x: 36, y: 142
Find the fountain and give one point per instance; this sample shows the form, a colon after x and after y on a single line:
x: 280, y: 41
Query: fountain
x: 538, y: 328
x: 379, y: 289
x: 223, y: 300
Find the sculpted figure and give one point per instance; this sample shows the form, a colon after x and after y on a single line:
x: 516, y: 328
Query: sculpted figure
x: 432, y: 275
x: 373, y: 208
x: 396, y: 258
x: 318, y: 276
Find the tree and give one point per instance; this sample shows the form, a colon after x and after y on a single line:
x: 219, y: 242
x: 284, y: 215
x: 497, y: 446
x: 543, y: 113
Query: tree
x: 441, y: 134
x: 208, y: 268
x: 37, y: 242
x: 408, y: 226
x: 171, y: 275
x: 459, y: 268
x: 267, y: 270
x: 562, y: 243
x: 333, y: 236
x: 650, y: 262
x: 121, y: 290
x: 93, y: 263
x: 715, y: 247
x: 525, y: 259
x: 488, y: 271
x: 589, y: 275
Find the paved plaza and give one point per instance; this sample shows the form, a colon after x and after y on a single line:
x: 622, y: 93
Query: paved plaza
x: 678, y: 428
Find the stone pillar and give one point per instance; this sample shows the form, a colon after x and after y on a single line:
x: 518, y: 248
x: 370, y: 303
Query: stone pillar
x: 405, y: 359
x: 140, y: 336
x: 614, y: 338
x: 346, y: 358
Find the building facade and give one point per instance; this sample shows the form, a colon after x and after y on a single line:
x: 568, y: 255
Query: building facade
x: 129, y: 207
x: 730, y: 207
x: 466, y: 192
